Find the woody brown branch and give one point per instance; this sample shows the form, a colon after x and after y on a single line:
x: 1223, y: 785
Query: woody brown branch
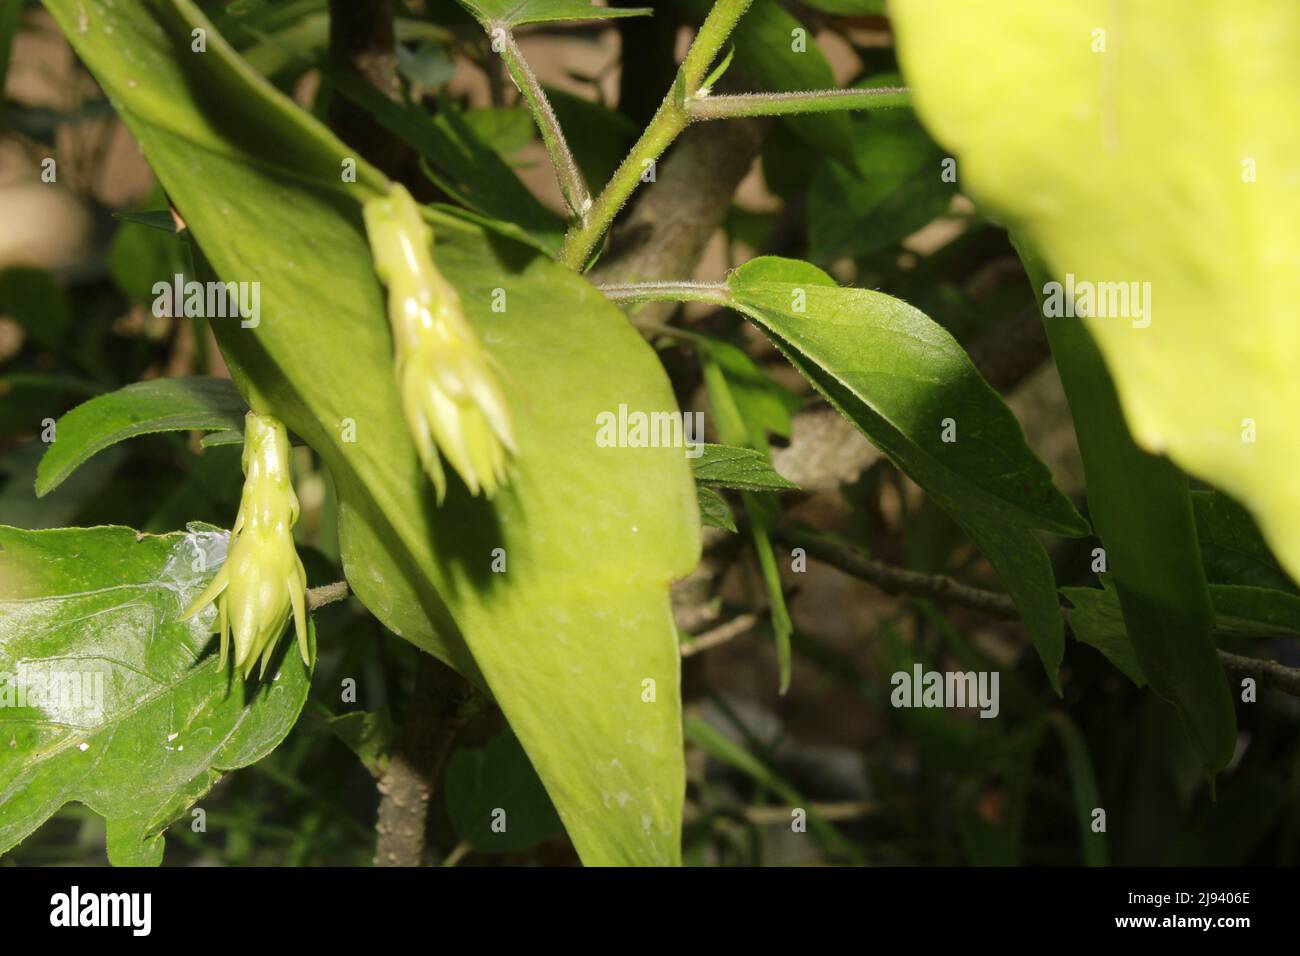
x: 945, y: 590
x: 441, y: 705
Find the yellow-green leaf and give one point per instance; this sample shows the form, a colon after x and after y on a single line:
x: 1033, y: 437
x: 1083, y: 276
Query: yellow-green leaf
x: 572, y: 631
x: 1148, y: 143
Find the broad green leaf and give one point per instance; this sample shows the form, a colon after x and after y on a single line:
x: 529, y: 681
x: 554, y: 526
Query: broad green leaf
x: 1142, y: 511
x: 906, y: 383
x: 512, y: 13
x: 506, y: 129
x: 157, y: 405
x: 896, y: 188
x: 569, y: 636
x: 1140, y: 143
x: 368, y: 734
x: 714, y: 510
x: 764, y: 405
x: 1096, y: 619
x: 495, y: 801
x: 1232, y: 548
x: 598, y: 136
x: 726, y: 466
x: 464, y: 164
x: 131, y: 715
x: 1254, y: 610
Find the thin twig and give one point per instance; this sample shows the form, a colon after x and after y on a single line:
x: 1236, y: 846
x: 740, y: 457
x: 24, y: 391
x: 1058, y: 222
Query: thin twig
x: 738, y: 625
x: 895, y: 580
x: 941, y: 588
x: 772, y: 816
x: 1269, y: 673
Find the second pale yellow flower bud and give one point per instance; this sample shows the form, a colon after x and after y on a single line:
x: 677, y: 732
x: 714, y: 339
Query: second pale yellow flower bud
x: 451, y: 398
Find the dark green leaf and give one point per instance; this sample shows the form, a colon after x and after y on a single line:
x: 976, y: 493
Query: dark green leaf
x: 368, y: 734
x: 158, y: 405
x: 507, y: 129
x: 896, y: 189
x: 714, y: 510
x: 463, y: 164
x: 592, y: 536
x: 765, y: 42
x: 1254, y: 610
x: 495, y: 801
x: 1232, y: 548
x: 1143, y: 514
x: 764, y: 406
x: 1096, y: 619
x: 726, y: 466
x: 598, y: 136
x: 139, y: 257
x: 905, y: 383
x: 137, y: 721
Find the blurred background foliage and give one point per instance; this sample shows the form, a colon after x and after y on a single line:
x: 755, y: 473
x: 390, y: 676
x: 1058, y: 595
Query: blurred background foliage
x: 863, y: 197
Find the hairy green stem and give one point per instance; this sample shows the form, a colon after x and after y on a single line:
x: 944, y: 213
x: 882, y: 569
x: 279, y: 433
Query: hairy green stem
x: 715, y: 29
x: 668, y: 122
x: 784, y: 104
x: 714, y: 292
x: 572, y: 185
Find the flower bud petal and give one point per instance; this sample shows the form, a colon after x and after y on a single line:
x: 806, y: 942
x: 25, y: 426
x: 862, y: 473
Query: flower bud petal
x: 262, y: 580
x: 453, y: 403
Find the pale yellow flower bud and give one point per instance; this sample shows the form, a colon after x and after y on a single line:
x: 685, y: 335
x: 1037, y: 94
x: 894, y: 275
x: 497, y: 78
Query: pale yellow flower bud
x: 262, y: 580
x: 450, y: 394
